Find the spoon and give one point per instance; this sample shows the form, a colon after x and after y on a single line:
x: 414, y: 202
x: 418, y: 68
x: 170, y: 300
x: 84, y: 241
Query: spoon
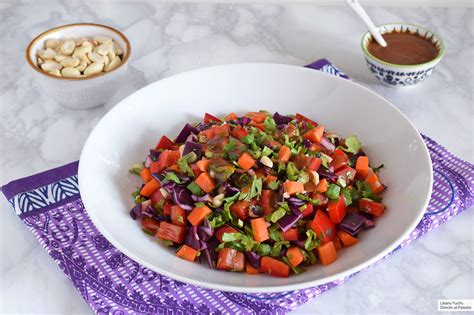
x: 355, y: 5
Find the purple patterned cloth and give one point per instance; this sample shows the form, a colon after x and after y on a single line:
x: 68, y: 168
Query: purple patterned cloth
x: 111, y: 283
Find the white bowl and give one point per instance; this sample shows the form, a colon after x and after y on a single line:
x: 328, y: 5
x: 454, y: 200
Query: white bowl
x: 395, y: 75
x: 80, y: 93
x: 126, y: 133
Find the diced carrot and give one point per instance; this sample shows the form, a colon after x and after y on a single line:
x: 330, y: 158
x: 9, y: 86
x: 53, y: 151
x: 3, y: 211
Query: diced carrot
x: 337, y: 243
x: 291, y: 234
x: 150, y: 188
x: 174, y: 168
x: 164, y: 143
x: 294, y: 256
x: 187, y: 252
x: 257, y: 117
x: 145, y: 174
x: 231, y: 116
x: 257, y: 125
x: 203, y: 164
x: 205, y: 182
x: 246, y: 161
x: 284, y: 154
x: 274, y: 267
x: 167, y: 158
x: 197, y: 216
x: 346, y: 238
x: 178, y: 216
x: 339, y: 159
x: 231, y: 260
x: 315, y: 135
x: 362, y: 167
x: 327, y: 253
x: 259, y: 228
x: 373, y: 180
x: 322, y: 186
x: 250, y: 269
x: 171, y: 232
x: 374, y: 208
x: 270, y: 178
x: 291, y: 187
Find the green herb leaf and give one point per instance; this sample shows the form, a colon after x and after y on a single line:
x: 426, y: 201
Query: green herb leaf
x: 230, y: 145
x: 248, y: 243
x: 195, y: 189
x: 333, y: 192
x: 136, y: 168
x: 377, y: 168
x: 171, y: 176
x: 277, y: 248
x: 365, y: 191
x: 315, y: 202
x: 264, y: 250
x: 325, y: 160
x: 275, y: 234
x: 312, y: 241
x: 248, y: 139
x: 270, y: 124
x: 292, y: 171
x: 352, y: 144
x: 266, y: 151
x: 296, y: 269
x: 275, y: 215
x: 273, y: 185
x: 346, y: 193
x: 309, y: 257
x: 255, y: 189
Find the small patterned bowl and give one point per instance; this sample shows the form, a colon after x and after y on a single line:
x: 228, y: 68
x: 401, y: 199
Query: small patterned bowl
x: 402, y: 75
x: 80, y: 93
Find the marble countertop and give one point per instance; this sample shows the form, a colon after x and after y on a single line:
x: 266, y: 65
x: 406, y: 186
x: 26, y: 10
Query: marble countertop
x: 37, y: 134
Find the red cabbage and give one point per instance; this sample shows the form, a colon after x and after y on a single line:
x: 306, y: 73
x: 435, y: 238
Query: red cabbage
x: 184, y: 134
x: 182, y: 197
x: 299, y: 243
x: 253, y: 259
x: 289, y: 221
x: 368, y: 224
x: 230, y: 190
x: 328, y: 175
x: 307, y: 143
x: 211, y: 254
x: 243, y: 121
x: 193, y: 147
x: 151, y: 213
x: 162, y: 175
x: 190, y: 239
x: 147, y: 162
x: 204, y: 198
x: 255, y: 211
x: 136, y: 211
x: 281, y: 120
x: 292, y: 201
x: 327, y: 144
x: 154, y: 155
x: 352, y: 223
x: 201, y: 127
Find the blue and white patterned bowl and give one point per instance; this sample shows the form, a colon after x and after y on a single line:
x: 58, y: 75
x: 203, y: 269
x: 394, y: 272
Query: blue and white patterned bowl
x: 402, y: 75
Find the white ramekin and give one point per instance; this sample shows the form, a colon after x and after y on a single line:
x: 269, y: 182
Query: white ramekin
x: 80, y: 93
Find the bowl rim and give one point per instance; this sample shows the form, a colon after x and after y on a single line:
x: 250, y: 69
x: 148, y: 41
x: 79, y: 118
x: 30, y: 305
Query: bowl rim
x: 55, y: 29
x: 431, y: 62
x: 260, y: 289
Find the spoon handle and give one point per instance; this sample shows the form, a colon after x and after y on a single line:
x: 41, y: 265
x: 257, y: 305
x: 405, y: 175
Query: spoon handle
x: 355, y: 5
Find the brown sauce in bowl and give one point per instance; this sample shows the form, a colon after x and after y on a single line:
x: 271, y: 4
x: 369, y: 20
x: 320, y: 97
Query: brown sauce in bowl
x: 404, y: 48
